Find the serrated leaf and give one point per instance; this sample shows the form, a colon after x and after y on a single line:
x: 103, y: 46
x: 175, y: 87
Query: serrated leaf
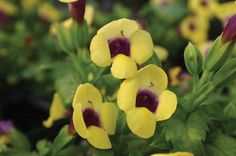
x: 220, y: 144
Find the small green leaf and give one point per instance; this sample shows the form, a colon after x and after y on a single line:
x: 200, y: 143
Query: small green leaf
x: 97, y: 152
x: 19, y: 140
x: 62, y: 139
x: 43, y: 147
x: 230, y: 110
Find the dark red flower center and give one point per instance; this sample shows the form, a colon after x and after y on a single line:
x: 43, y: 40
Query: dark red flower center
x: 120, y: 45
x: 146, y: 98
x: 204, y: 3
x: 192, y: 26
x: 91, y: 118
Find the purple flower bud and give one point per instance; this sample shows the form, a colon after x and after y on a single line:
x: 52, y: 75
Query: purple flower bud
x: 229, y: 33
x: 77, y: 10
x: 5, y: 127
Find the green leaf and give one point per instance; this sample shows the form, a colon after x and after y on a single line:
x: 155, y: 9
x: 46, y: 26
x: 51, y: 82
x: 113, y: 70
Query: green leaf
x: 62, y: 139
x: 230, y: 110
x: 153, y: 60
x: 97, y: 152
x: 43, y: 147
x: 19, y: 140
x: 187, y: 135
x: 220, y: 144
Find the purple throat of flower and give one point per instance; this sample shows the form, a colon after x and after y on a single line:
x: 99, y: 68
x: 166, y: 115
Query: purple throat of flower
x: 91, y: 118
x: 146, y: 98
x: 77, y: 10
x: 119, y: 45
x: 6, y: 127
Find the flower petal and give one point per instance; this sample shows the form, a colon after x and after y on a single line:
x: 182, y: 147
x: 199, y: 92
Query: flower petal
x: 100, y: 52
x: 127, y: 93
x: 123, y: 67
x: 167, y: 105
x: 87, y: 95
x: 141, y: 122
x: 78, y: 121
x: 174, y: 154
x: 128, y: 27
x: 153, y: 78
x: 57, y: 111
x: 111, y: 30
x: 108, y: 115
x: 67, y: 1
x: 89, y: 14
x: 98, y: 138
x: 141, y: 46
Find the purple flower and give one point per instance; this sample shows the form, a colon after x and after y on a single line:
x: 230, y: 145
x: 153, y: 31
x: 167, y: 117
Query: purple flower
x: 229, y: 33
x: 5, y: 127
x: 77, y: 10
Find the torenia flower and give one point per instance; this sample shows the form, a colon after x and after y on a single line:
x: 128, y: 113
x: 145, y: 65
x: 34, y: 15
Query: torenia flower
x: 229, y: 33
x: 123, y: 44
x: 5, y: 129
x: 7, y: 8
x: 93, y: 120
x: 145, y: 100
x: 177, y: 75
x: 57, y: 111
x: 204, y: 8
x: 225, y: 10
x: 161, y: 52
x: 195, y: 29
x: 77, y: 9
x: 174, y: 154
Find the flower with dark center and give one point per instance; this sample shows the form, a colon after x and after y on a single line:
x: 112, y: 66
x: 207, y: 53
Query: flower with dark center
x: 229, y: 33
x: 92, y: 119
x: 145, y: 100
x: 123, y: 44
x: 204, y: 3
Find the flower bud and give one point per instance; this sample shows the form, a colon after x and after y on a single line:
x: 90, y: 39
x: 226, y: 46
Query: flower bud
x: 193, y: 59
x: 77, y: 10
x: 229, y: 33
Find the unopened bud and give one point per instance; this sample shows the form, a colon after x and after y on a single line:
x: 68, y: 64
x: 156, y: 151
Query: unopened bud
x: 229, y: 33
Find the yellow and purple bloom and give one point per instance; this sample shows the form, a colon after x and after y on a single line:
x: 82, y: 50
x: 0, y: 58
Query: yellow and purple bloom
x: 225, y: 10
x: 76, y: 8
x: 94, y: 120
x: 145, y: 100
x: 124, y: 45
x: 178, y: 75
x: 6, y: 9
x: 203, y: 8
x: 174, y: 154
x: 161, y: 53
x: 195, y: 28
x: 5, y: 129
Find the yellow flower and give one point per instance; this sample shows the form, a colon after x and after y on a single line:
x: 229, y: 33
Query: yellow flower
x: 225, y: 10
x: 177, y: 75
x: 7, y: 8
x: 123, y: 44
x: 174, y: 154
x: 57, y: 111
x: 145, y: 100
x: 161, y: 53
x: 49, y: 12
x: 204, y: 8
x: 94, y: 120
x: 195, y: 29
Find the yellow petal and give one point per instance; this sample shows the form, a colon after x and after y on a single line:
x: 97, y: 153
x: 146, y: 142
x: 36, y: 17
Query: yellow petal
x: 161, y: 53
x: 225, y: 10
x: 53, y: 15
x: 89, y: 14
x: 78, y: 121
x: 167, y: 105
x: 57, y: 111
x: 153, y: 78
x: 98, y: 138
x: 128, y: 27
x: 141, y: 122
x: 109, y: 114
x: 111, y: 30
x: 141, y: 46
x: 5, y: 139
x: 123, y: 67
x: 87, y: 95
x: 8, y: 8
x: 174, y: 154
x: 173, y: 74
x: 68, y: 1
x: 100, y: 52
x: 126, y: 98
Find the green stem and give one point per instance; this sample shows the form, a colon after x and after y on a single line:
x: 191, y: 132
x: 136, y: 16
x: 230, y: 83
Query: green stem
x: 195, y: 83
x: 203, y: 78
x: 98, y: 76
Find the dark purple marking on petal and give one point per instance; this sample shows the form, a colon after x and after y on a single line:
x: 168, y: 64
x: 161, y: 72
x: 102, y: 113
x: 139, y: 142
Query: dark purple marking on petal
x: 91, y: 118
x: 120, y: 45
